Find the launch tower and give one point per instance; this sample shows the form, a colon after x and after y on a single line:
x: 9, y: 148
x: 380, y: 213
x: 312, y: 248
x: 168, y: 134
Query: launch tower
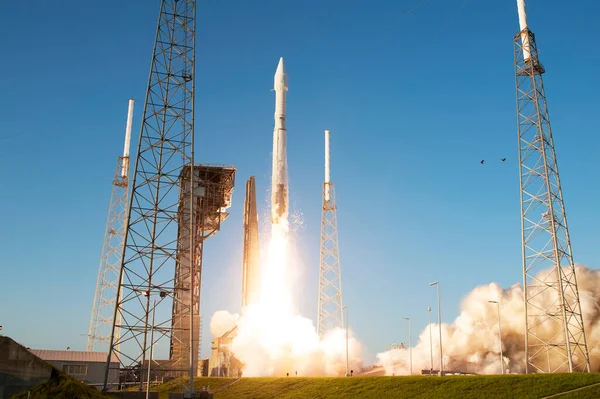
x: 554, y: 339
x: 147, y: 280
x: 213, y: 185
x: 110, y: 261
x: 330, y: 313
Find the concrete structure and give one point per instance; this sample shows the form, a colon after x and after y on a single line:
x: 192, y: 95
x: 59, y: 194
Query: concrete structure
x: 20, y: 369
x: 87, y: 367
x: 222, y: 362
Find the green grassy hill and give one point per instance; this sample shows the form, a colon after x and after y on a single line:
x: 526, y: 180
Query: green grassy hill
x: 61, y: 386
x: 464, y: 387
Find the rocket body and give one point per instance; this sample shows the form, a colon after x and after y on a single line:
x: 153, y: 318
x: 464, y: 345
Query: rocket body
x: 279, y: 177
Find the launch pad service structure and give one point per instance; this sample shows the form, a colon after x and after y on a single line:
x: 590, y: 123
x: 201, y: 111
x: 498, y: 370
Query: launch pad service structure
x: 554, y: 337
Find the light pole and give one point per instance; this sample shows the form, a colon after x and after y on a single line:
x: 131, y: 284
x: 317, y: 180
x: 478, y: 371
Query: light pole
x: 437, y: 284
x: 162, y: 294
x: 345, y: 308
x: 407, y: 319
x: 151, y: 349
x: 430, y: 340
x: 499, y: 335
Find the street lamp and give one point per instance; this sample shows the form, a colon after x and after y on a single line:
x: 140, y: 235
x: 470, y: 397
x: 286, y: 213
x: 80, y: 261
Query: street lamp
x: 345, y: 309
x: 430, y: 340
x: 407, y: 319
x: 499, y: 335
x: 437, y: 284
x: 162, y: 295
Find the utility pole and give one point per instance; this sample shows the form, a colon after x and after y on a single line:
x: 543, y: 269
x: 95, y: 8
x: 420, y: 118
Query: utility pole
x: 437, y: 284
x: 407, y: 319
x: 430, y: 339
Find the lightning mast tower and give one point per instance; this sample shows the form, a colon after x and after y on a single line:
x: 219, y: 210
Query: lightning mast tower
x: 555, y: 339
x: 330, y: 278
x: 110, y: 260
x: 147, y: 280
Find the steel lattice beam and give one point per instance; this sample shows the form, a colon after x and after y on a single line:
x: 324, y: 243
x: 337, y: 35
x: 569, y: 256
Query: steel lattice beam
x: 555, y: 339
x: 330, y: 313
x: 110, y: 264
x: 151, y: 252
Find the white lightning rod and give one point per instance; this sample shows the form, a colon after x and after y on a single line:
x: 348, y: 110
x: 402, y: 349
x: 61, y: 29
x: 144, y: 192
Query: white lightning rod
x: 523, y: 25
x: 125, y: 167
x: 327, y: 171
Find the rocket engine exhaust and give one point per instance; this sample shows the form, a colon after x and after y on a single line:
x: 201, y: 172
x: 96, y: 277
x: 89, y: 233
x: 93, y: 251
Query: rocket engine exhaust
x: 279, y: 178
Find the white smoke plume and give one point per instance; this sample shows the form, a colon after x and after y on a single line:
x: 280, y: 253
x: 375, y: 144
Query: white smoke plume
x: 290, y: 344
x: 471, y: 343
x: 271, y: 338
x: 221, y: 322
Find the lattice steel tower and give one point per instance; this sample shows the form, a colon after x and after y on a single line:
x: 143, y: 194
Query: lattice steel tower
x: 147, y: 281
x: 555, y: 339
x: 110, y: 261
x: 330, y: 277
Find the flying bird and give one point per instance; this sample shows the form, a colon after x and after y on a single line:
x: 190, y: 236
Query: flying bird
x: 482, y: 161
x: 503, y: 159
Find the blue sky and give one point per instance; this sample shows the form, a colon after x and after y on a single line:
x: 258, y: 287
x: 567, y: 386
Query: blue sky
x: 414, y: 101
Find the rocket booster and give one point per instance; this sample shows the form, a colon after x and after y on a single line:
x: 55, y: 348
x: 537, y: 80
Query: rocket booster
x: 279, y: 178
x: 525, y: 46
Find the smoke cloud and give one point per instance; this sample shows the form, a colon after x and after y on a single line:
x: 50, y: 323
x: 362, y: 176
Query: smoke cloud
x: 271, y: 338
x: 471, y: 343
x: 291, y: 344
x: 221, y: 322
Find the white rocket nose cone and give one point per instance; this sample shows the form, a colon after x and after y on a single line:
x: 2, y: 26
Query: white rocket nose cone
x: 280, y: 75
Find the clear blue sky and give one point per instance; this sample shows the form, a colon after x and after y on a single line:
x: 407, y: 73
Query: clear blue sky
x: 414, y: 101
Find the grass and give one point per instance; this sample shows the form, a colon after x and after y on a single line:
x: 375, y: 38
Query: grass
x: 61, y: 386
x: 464, y: 387
x: 180, y: 384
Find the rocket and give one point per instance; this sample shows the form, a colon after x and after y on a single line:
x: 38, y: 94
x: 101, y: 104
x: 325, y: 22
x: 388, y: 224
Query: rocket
x: 279, y: 178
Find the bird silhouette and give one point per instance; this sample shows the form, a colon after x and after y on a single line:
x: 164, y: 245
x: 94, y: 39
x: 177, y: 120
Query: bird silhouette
x: 503, y: 159
x: 482, y: 161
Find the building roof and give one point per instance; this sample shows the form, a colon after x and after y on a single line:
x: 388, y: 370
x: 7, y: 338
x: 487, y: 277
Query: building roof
x: 73, y: 356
